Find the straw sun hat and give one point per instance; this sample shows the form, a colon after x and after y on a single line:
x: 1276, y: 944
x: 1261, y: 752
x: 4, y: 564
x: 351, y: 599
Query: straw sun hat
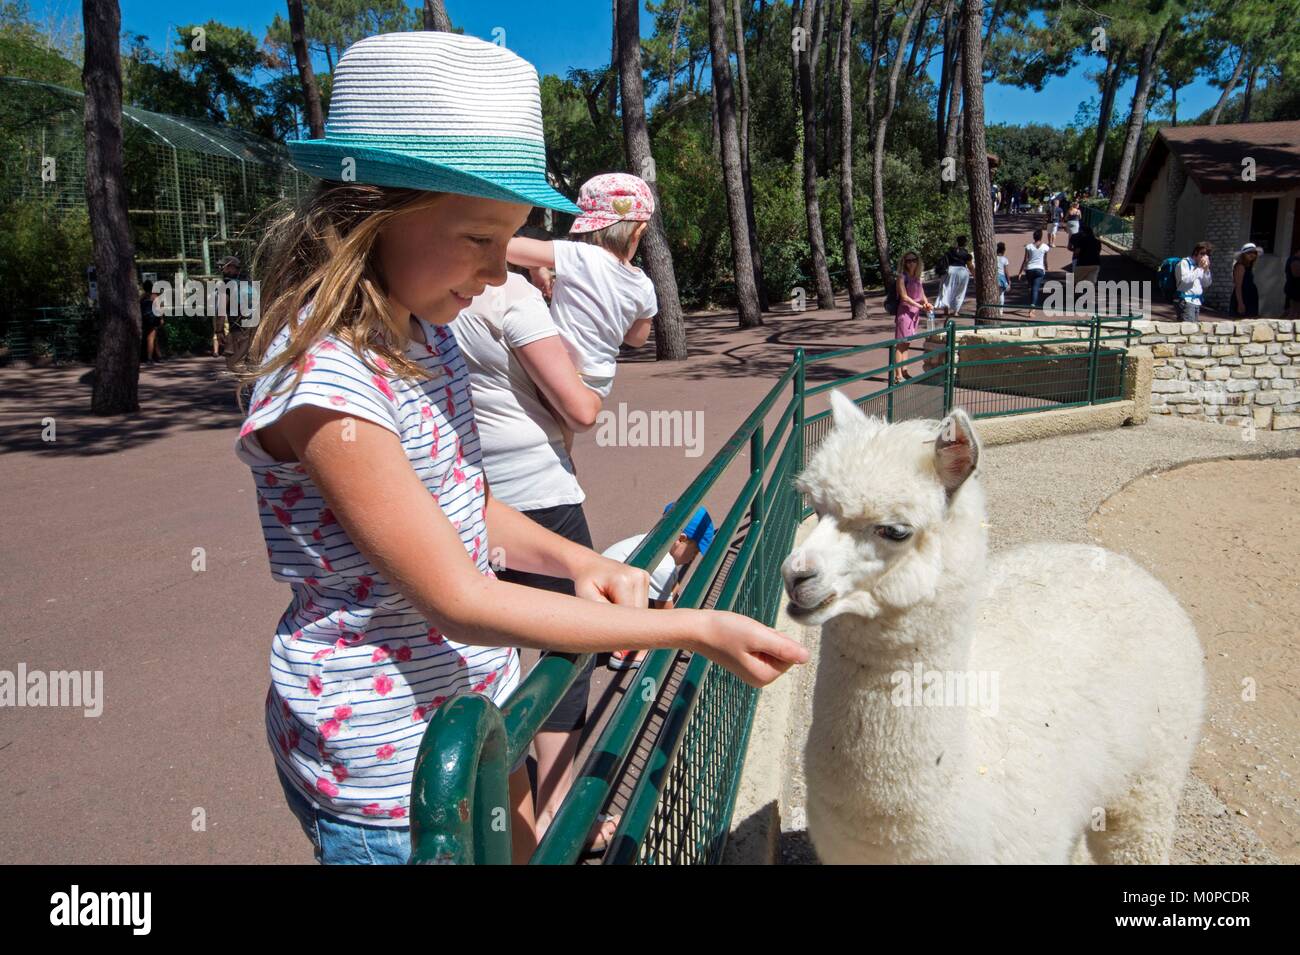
x: 436, y: 111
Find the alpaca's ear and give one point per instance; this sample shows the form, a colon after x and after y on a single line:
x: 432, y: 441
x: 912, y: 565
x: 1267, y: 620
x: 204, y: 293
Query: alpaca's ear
x: 843, y: 411
x: 956, y: 450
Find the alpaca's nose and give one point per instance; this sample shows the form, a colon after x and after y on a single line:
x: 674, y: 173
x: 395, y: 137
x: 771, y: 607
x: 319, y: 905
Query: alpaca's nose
x: 801, y: 566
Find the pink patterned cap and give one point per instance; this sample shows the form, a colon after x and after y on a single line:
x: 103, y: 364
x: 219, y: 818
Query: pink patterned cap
x: 613, y: 197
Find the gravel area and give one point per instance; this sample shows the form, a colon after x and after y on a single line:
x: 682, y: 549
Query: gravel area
x: 1048, y: 490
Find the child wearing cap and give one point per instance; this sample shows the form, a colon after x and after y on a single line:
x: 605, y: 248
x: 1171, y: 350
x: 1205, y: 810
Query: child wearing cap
x: 694, y: 540
x: 599, y: 299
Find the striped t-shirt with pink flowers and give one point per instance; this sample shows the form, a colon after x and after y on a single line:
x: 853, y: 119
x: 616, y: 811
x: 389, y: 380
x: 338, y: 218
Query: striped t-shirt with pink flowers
x: 356, y: 671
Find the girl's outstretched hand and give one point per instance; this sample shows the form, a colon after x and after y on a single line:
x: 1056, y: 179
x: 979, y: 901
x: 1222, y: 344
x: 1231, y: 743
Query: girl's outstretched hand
x: 755, y: 653
x: 612, y: 581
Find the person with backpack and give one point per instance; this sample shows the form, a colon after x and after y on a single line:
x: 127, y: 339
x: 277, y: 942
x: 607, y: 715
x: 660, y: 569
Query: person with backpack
x: 1191, y: 278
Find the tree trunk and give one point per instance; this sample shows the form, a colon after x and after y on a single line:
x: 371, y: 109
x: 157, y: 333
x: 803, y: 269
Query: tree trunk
x: 435, y: 17
x: 117, y: 362
x: 670, y: 330
x: 825, y: 27
x: 1250, y: 92
x: 812, y: 207
x: 873, y: 68
x: 1227, y: 90
x: 746, y: 177
x: 1137, y: 114
x: 611, y: 91
x: 945, y: 77
x: 977, y: 166
x: 732, y: 174
x: 878, y: 152
x: 310, y: 92
x: 672, y: 51
x: 950, y: 142
x: 1109, y: 86
x: 857, y: 297
x: 910, y: 72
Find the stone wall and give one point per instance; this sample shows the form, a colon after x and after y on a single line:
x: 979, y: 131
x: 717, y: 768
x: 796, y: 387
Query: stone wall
x: 1226, y: 372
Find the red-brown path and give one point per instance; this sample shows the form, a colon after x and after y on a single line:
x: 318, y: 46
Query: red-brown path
x: 99, y: 531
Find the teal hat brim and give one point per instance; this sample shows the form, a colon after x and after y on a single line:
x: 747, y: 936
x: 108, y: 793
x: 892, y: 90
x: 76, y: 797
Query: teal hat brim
x: 377, y: 165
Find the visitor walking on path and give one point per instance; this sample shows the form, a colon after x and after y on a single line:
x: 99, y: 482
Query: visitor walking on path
x: 912, y: 303
x: 1245, y: 294
x: 1291, y: 278
x: 952, y: 293
x: 1034, y: 268
x: 1004, y: 280
x: 152, y: 323
x: 1087, y: 256
x: 1192, y: 277
x: 365, y: 453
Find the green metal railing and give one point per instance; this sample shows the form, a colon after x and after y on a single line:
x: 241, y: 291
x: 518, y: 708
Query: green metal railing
x: 55, y: 334
x: 1109, y: 226
x: 688, y: 719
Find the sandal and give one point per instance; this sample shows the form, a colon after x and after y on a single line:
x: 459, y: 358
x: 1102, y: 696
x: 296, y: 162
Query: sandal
x: 600, y: 837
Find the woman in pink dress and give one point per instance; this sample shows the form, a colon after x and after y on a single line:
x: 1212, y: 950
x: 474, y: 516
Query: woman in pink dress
x: 912, y: 302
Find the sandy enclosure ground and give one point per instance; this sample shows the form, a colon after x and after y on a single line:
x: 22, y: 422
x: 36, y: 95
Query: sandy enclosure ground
x: 1224, y: 536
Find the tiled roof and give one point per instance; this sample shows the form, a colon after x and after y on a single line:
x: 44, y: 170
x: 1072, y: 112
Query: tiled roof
x: 1213, y: 157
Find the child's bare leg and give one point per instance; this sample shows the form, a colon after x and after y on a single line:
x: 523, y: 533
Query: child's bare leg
x: 523, y: 827
x: 555, y: 754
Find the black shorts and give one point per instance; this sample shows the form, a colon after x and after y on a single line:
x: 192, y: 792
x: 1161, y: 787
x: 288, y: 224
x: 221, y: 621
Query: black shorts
x: 569, y: 522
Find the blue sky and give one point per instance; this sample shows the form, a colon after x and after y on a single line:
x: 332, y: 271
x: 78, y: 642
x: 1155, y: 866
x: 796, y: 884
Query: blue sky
x: 558, y: 35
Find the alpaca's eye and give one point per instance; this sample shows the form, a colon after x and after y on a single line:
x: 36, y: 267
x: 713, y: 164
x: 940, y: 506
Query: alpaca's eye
x: 893, y: 532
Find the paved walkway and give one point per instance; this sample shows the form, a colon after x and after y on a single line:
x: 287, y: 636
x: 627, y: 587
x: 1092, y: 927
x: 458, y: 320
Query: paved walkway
x: 96, y: 574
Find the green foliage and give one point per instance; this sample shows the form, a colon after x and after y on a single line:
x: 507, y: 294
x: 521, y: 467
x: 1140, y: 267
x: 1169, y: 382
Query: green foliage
x: 44, y: 253
x: 1037, y: 155
x: 25, y: 53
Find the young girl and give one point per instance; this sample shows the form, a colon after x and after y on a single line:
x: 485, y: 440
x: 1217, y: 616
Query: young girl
x: 364, y: 450
x: 1004, y: 279
x: 912, y: 302
x: 599, y: 299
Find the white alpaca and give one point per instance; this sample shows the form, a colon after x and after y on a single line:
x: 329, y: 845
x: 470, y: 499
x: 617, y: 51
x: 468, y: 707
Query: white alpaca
x: 1087, y: 674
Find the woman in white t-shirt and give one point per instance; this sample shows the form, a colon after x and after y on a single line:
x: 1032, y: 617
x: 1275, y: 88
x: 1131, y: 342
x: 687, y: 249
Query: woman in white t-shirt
x: 520, y: 371
x: 1034, y: 267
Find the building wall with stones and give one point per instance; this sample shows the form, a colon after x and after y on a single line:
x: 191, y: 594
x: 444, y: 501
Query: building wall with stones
x: 1226, y: 372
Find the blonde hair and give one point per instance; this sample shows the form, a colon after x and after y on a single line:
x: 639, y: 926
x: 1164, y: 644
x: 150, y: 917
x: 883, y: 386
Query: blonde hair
x: 616, y: 238
x: 324, y: 252
x: 902, y: 264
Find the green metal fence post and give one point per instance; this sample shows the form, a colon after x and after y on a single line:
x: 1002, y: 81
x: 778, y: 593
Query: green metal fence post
x: 950, y: 363
x: 889, y: 384
x: 757, y: 466
x: 799, y: 407
x: 461, y: 787
x: 1094, y: 345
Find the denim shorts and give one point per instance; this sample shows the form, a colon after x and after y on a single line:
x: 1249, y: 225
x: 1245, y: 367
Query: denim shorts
x: 336, y: 842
